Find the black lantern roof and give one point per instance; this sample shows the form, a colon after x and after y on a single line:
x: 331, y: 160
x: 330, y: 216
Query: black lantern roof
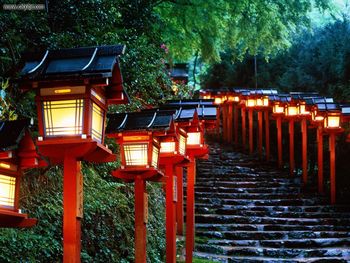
x: 328, y: 107
x: 11, y: 133
x: 266, y: 92
x: 84, y: 65
x: 186, y: 112
x: 345, y: 109
x: 316, y: 100
x: 179, y: 71
x: 284, y: 98
x: 190, y: 102
x: 145, y: 120
x: 303, y: 95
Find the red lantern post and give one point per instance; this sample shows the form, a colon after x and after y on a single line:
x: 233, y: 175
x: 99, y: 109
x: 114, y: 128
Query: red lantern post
x: 291, y: 113
x: 73, y: 91
x: 332, y: 126
x: 250, y: 104
x: 139, y: 136
x: 17, y: 153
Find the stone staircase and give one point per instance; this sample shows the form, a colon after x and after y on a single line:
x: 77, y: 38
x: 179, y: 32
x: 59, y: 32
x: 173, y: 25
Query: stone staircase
x: 248, y: 211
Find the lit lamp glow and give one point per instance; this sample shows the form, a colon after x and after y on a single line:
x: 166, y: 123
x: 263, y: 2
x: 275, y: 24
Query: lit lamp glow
x: 277, y: 109
x: 8, y: 186
x: 332, y: 121
x: 302, y: 109
x: 291, y: 110
x: 194, y: 138
x: 218, y: 100
x: 249, y: 103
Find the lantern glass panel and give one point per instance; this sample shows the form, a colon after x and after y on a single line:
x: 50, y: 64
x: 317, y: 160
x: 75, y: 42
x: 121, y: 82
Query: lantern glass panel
x: 97, y: 122
x: 250, y: 103
x: 218, y: 101
x: 265, y: 102
x: 332, y: 122
x: 278, y: 109
x: 167, y: 147
x: 155, y: 156
x: 259, y: 102
x: 136, y: 154
x: 63, y: 117
x: 182, y: 145
x: 7, y: 191
x: 194, y: 138
x: 292, y: 110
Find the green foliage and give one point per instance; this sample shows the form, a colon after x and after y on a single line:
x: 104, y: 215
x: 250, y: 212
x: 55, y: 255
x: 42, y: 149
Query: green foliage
x: 107, y: 226
x: 245, y: 26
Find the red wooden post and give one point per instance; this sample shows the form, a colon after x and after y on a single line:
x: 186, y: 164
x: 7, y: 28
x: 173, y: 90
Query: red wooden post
x: 244, y: 137
x: 141, y: 207
x: 229, y: 124
x: 267, y: 135
x: 191, y: 170
x: 332, y: 166
x: 250, y: 119
x: 235, y: 120
x: 304, y: 148
x: 320, y: 159
x: 279, y: 141
x: 170, y: 215
x: 291, y: 147
x: 224, y: 122
x: 179, y: 203
x: 218, y: 120
x: 71, y: 209
x: 260, y: 132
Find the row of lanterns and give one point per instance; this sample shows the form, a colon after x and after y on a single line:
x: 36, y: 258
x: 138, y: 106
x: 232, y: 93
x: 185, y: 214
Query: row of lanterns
x: 320, y: 112
x: 73, y: 90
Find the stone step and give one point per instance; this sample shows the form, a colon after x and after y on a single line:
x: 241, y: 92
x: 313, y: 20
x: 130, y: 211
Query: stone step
x: 259, y: 202
x: 270, y: 227
x: 238, y: 190
x: 282, y: 243
x: 312, y: 209
x: 264, y: 235
x: 229, y: 211
x: 231, y: 219
x: 287, y: 253
x: 249, y: 259
x: 248, y: 196
x: 246, y: 184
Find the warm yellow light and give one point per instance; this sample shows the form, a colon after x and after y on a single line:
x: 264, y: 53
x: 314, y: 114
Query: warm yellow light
x: 207, y: 97
x: 182, y: 144
x: 97, y: 123
x: 155, y: 156
x: 63, y: 117
x: 236, y: 99
x: 7, y: 191
x: 62, y: 91
x: 278, y: 109
x: 291, y: 110
x: 136, y: 154
x: 250, y: 103
x: 194, y: 138
x: 167, y: 147
x: 5, y: 165
x: 302, y: 110
x: 217, y: 100
x: 332, y: 122
x: 265, y: 101
x: 259, y: 102
x: 97, y: 96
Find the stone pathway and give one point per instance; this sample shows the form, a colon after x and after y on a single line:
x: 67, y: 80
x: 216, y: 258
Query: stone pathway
x: 248, y: 211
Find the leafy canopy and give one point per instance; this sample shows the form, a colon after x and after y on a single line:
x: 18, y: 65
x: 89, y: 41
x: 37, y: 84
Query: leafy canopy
x: 253, y: 26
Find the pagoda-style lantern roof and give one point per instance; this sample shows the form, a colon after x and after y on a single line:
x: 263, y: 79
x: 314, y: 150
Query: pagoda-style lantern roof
x: 278, y: 103
x: 17, y: 152
x: 296, y: 95
x: 138, y: 135
x: 179, y: 72
x: 71, y: 68
x: 190, y: 102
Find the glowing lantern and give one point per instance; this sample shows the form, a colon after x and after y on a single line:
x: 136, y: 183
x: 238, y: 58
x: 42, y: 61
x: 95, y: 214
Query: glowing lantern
x: 140, y: 136
x: 291, y: 110
x: 250, y: 102
x: 74, y: 88
x: 17, y: 153
x: 302, y: 109
x: 332, y: 120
